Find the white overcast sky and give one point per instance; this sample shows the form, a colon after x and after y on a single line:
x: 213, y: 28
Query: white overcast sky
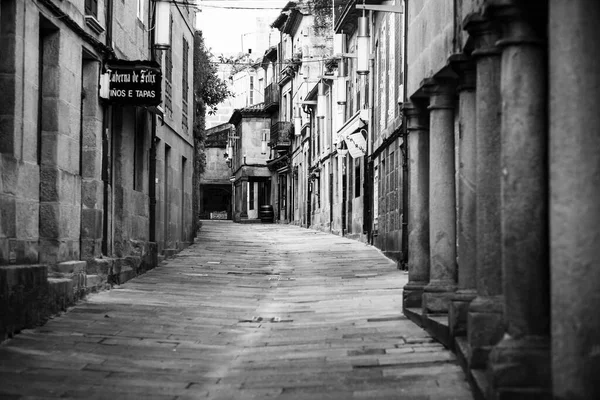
x: 223, y: 22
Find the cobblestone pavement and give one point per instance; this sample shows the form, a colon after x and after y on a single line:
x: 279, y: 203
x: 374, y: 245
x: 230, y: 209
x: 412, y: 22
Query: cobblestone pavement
x: 248, y: 312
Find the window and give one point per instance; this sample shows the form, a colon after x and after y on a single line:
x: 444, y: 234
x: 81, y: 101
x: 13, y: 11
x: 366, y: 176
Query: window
x: 251, y: 90
x: 184, y: 84
x: 91, y: 7
x: 169, y: 76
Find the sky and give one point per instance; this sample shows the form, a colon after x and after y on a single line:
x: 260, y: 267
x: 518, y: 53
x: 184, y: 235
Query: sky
x: 227, y: 24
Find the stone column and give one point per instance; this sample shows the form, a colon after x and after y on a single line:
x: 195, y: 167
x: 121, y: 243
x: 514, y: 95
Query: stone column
x: 244, y: 199
x: 574, y: 84
x: 485, y: 325
x: 418, y: 217
x: 442, y: 198
x: 520, y: 362
x: 467, y: 234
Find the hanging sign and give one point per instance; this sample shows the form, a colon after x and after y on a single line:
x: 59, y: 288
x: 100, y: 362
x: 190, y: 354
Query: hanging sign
x: 132, y: 82
x: 357, y: 144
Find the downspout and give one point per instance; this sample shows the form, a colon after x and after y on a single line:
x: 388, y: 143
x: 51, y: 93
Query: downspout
x: 405, y: 188
x: 107, y: 143
x: 153, y: 140
x: 368, y: 182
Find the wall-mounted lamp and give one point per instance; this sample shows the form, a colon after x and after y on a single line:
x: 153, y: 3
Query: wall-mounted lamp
x: 162, y: 25
x: 342, y: 90
x: 339, y: 44
x: 362, y: 45
x: 297, y: 121
x: 321, y: 101
x: 263, y: 142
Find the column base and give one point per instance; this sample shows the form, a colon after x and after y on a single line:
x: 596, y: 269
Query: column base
x: 412, y: 299
x: 412, y: 294
x: 458, y: 311
x: 485, y: 328
x: 521, y: 368
x: 436, y: 297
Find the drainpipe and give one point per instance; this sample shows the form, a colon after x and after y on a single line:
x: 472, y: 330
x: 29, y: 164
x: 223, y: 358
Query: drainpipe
x: 153, y: 141
x: 405, y: 171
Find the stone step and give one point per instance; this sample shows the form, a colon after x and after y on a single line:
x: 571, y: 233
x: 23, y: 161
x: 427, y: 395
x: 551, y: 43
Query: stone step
x: 168, y: 253
x: 70, y: 267
x: 437, y: 326
x: 95, y: 282
x: 414, y: 314
x: 60, y: 294
x: 23, y: 295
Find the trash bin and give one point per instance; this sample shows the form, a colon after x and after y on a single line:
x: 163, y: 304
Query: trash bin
x: 266, y: 213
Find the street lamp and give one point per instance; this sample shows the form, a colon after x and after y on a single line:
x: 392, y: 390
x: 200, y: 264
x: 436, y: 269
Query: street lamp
x: 321, y: 100
x: 263, y: 142
x: 362, y: 45
x: 162, y: 25
x: 297, y: 121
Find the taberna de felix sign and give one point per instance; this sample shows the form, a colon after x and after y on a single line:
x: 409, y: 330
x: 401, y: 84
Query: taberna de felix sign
x: 135, y: 83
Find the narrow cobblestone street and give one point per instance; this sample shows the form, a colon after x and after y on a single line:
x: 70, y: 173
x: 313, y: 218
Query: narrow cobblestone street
x: 247, y: 312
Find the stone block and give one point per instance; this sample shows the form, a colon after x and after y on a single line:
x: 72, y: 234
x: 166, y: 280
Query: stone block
x: 436, y: 302
x: 484, y: 331
x: 7, y: 88
x: 50, y: 113
x: 90, y: 164
x: 70, y: 221
x: 27, y: 220
x: 29, y: 181
x: 8, y: 222
x: 100, y: 266
x: 23, y: 297
x: 4, y: 251
x: 48, y: 250
x: 7, y: 128
x: 9, y: 172
x: 90, y: 248
x: 91, y: 224
x: 70, y: 267
x: 48, y: 179
x: 91, y: 193
x: 61, y: 294
x: 49, y: 220
x: 23, y: 251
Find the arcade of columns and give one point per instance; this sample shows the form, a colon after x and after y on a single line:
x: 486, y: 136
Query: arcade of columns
x: 503, y: 241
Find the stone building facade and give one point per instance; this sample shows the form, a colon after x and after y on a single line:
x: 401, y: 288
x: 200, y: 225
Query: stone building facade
x: 91, y: 192
x: 503, y: 253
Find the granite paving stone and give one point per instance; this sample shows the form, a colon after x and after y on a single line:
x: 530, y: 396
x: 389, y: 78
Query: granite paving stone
x: 249, y: 311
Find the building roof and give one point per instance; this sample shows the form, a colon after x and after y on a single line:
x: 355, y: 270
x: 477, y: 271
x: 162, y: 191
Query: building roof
x: 282, y: 17
x: 347, y: 20
x: 255, y: 110
x: 217, y: 135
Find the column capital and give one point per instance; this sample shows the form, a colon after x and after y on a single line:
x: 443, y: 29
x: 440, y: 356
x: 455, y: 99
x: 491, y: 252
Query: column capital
x: 485, y: 34
x: 441, y: 93
x: 416, y: 117
x: 464, y: 66
x: 519, y: 21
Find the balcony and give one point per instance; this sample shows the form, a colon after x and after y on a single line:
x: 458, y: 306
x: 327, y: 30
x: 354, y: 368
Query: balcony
x: 271, y: 97
x: 281, y: 135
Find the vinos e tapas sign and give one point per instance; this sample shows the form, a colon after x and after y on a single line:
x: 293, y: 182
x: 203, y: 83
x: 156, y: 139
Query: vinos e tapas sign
x: 135, y: 83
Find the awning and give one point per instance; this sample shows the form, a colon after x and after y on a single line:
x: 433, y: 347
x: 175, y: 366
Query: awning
x: 355, y: 141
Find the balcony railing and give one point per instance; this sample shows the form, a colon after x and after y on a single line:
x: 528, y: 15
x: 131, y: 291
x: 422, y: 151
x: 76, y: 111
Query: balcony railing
x: 281, y: 134
x: 271, y: 97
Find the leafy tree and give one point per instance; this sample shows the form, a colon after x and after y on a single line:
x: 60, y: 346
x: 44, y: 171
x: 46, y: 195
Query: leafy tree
x: 209, y: 91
